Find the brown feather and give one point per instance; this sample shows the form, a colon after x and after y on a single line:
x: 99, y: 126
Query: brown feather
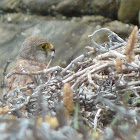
x: 18, y: 80
x: 30, y: 59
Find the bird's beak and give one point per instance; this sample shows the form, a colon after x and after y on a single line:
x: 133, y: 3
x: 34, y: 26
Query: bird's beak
x: 52, y: 50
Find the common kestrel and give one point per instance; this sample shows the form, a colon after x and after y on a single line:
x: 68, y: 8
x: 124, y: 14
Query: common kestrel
x: 32, y: 57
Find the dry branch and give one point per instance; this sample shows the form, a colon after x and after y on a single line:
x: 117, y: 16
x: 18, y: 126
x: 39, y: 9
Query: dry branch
x: 94, y: 78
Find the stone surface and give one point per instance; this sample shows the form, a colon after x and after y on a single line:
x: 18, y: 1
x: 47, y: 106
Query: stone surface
x: 120, y: 28
x: 128, y: 11
x: 10, y: 5
x: 106, y: 8
x: 65, y: 7
x: 68, y: 36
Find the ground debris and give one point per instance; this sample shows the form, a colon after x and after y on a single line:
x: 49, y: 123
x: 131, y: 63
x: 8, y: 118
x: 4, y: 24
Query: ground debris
x: 105, y: 101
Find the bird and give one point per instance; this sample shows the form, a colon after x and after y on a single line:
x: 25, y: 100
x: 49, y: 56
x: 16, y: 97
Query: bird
x: 32, y: 57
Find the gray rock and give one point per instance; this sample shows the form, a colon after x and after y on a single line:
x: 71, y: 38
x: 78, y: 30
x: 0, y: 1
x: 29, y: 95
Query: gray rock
x: 41, y: 6
x: 122, y: 29
x: 69, y: 37
x: 71, y: 8
x: 106, y: 8
x: 65, y: 7
x: 10, y: 5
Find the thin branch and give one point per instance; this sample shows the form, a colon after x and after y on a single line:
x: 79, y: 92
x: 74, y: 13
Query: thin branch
x: 45, y: 71
x: 96, y: 118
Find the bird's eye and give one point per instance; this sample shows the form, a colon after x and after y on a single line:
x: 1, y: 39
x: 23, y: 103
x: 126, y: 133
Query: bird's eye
x: 43, y: 47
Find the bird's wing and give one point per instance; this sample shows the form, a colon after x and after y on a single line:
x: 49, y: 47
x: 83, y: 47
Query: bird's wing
x: 18, y: 81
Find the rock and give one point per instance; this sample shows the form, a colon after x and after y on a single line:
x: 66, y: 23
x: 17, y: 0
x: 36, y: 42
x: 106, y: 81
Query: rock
x: 11, y: 5
x: 37, y: 6
x: 122, y: 29
x: 70, y: 8
x: 106, y: 8
x: 43, y: 7
x: 77, y: 7
x: 65, y: 7
x: 9, y: 43
x: 95, y: 20
x: 69, y: 36
x: 128, y: 11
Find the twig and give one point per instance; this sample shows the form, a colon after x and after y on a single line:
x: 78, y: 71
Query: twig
x: 81, y: 57
x: 96, y: 118
x: 45, y: 71
x: 92, y: 69
x: 100, y: 47
x: 128, y: 113
x: 21, y: 105
x: 91, y: 81
x: 52, y: 56
x: 3, y: 85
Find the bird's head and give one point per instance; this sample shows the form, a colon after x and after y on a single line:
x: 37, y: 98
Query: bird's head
x: 36, y: 48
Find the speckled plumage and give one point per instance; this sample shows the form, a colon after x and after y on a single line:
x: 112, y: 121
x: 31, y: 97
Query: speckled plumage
x: 30, y: 59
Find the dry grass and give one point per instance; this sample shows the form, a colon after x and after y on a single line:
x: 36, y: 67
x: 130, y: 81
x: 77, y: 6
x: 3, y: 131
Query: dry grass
x: 102, y: 87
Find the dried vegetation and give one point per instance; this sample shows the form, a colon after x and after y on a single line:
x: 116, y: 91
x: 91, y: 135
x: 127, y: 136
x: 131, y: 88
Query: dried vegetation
x: 96, y: 96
